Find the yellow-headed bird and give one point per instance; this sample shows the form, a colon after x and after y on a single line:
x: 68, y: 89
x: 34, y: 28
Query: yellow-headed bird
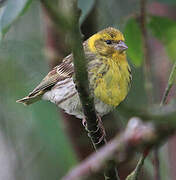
x: 108, y: 71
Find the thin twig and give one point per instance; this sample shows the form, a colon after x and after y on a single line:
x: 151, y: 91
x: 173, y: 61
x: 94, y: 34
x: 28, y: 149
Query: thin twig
x: 135, y: 174
x: 163, y: 102
x: 169, y: 85
x: 147, y: 63
x: 156, y: 164
x: 147, y: 71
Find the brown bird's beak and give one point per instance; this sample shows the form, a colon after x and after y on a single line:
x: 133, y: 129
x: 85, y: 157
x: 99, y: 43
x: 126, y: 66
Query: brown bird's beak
x: 121, y: 46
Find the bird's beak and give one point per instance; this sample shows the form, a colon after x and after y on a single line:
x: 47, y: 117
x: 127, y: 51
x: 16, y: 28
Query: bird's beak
x: 121, y: 46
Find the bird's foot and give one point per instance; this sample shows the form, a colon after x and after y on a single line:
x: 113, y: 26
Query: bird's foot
x: 100, y: 124
x: 99, y: 133
x: 84, y: 123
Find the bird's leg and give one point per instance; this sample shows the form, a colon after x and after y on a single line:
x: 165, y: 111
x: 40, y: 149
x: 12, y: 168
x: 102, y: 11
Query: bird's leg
x: 84, y: 123
x: 99, y: 133
x: 100, y: 124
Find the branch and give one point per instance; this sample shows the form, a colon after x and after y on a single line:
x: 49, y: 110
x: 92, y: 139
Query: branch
x: 137, y: 136
x: 95, y: 132
x: 70, y: 23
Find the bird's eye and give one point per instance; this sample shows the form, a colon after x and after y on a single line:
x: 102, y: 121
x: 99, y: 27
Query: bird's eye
x: 108, y: 42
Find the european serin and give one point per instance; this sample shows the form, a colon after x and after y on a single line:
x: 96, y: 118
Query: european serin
x: 108, y: 71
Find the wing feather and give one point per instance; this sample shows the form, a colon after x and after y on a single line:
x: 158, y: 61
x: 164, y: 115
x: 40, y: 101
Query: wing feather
x: 61, y: 72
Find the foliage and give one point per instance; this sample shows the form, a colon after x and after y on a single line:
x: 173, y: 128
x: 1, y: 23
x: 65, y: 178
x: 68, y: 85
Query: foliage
x: 165, y: 30
x: 10, y: 12
x: 133, y: 38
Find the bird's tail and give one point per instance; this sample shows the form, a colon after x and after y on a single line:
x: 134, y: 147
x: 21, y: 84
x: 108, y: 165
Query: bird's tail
x: 30, y: 99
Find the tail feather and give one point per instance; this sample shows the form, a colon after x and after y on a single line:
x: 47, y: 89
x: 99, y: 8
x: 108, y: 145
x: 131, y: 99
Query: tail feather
x: 30, y: 99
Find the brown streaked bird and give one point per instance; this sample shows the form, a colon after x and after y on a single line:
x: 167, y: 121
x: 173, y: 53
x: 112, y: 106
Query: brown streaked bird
x: 108, y: 71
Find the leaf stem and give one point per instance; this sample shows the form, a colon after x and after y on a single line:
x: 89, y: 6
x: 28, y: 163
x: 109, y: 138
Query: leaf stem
x: 135, y: 173
x: 169, y: 85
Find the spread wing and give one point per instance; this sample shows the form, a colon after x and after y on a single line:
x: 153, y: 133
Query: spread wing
x: 61, y: 72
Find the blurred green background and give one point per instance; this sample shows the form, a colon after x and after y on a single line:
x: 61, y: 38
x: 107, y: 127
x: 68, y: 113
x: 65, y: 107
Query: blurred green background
x: 36, y: 145
x: 33, y: 141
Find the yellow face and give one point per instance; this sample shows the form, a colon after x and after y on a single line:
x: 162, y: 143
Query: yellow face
x: 107, y: 42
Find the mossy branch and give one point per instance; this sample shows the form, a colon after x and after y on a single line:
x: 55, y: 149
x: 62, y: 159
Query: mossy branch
x: 70, y: 23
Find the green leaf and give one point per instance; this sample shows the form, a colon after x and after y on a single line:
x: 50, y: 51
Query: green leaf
x: 10, y: 12
x: 86, y: 7
x: 164, y: 29
x: 133, y: 38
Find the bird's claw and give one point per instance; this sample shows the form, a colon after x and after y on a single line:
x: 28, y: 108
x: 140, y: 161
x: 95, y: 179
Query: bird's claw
x: 100, y: 131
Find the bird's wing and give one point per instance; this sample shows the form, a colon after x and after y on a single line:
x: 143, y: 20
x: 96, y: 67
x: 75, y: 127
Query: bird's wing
x: 61, y: 72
